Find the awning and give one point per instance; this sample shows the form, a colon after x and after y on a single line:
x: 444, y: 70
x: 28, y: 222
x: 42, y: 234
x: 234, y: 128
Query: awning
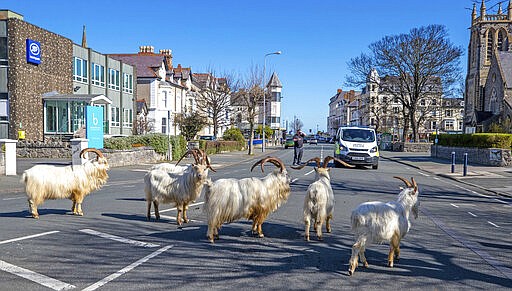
x: 92, y: 99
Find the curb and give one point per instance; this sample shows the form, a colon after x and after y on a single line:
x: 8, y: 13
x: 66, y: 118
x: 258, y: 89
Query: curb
x: 498, y: 193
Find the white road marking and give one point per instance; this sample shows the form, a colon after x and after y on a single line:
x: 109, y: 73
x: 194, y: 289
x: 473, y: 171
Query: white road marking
x: 501, y: 201
x: 424, y: 174
x: 35, y: 277
x: 126, y: 269
x: 14, y: 198
x: 294, y: 180
x: 174, y: 218
x: 27, y: 237
x: 493, y: 224
x: 119, y: 239
x: 309, y: 172
x: 454, y: 205
x: 436, y: 178
x: 140, y: 170
x: 174, y: 208
x: 472, y: 214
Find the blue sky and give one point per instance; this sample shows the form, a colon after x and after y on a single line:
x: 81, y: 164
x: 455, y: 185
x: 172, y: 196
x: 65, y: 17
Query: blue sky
x: 317, y: 38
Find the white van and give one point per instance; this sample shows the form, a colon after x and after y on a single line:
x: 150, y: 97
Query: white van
x: 357, y: 146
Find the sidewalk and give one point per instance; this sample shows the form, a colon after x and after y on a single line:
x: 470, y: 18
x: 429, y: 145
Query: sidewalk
x: 494, y: 179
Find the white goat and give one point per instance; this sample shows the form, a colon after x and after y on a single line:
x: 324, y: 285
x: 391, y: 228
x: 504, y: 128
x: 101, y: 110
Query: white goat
x: 378, y: 222
x: 166, y: 183
x: 227, y: 200
x: 43, y: 182
x: 319, y: 199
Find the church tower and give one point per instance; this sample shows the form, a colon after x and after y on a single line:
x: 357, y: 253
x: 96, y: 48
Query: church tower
x: 489, y: 33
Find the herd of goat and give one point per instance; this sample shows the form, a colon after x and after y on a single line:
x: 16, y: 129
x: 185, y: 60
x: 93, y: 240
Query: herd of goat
x: 228, y: 200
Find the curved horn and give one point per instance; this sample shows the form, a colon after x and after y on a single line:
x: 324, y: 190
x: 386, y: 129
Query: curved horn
x: 341, y: 162
x: 193, y: 152
x: 277, y: 162
x: 96, y: 151
x: 206, y: 160
x: 414, y: 183
x: 407, y: 183
x: 315, y: 159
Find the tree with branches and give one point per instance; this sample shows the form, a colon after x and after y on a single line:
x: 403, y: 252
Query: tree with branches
x: 190, y: 124
x: 423, y: 65
x: 248, y: 99
x: 214, y: 98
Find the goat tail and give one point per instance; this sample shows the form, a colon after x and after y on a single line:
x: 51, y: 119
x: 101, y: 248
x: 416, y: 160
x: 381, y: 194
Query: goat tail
x: 24, y: 178
x: 357, y: 220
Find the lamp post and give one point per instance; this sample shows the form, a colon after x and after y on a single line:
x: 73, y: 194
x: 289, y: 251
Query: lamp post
x: 264, y: 101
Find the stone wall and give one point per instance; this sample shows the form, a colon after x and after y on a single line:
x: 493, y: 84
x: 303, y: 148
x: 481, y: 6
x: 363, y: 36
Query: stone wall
x: 48, y: 149
x: 411, y: 147
x: 135, y: 156
x: 488, y: 156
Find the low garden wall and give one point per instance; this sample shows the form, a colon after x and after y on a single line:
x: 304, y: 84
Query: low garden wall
x: 411, y: 147
x: 135, y: 156
x: 483, y: 156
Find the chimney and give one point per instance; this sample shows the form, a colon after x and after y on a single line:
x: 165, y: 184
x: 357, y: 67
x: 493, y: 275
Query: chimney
x: 166, y: 52
x: 339, y: 91
x: 146, y: 49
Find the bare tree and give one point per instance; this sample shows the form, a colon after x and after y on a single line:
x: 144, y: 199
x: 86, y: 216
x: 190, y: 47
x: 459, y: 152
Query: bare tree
x: 249, y: 98
x: 424, y: 65
x: 297, y: 124
x: 214, y: 97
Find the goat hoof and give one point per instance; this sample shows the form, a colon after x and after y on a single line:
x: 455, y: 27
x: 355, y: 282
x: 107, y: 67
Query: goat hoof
x: 320, y: 238
x: 350, y: 272
x: 390, y: 264
x: 365, y: 264
x: 35, y: 216
x: 261, y: 235
x: 307, y: 238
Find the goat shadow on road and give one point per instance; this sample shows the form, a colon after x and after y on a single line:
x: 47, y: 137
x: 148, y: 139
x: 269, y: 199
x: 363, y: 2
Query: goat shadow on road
x: 42, y: 212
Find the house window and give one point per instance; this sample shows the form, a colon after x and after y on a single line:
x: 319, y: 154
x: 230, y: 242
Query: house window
x: 164, y: 125
x: 127, y: 117
x: 63, y: 116
x: 127, y: 83
x: 164, y: 99
x: 98, y: 75
x: 448, y: 125
x: 448, y: 113
x: 396, y: 110
x: 113, y: 79
x: 422, y: 102
x: 434, y: 125
x: 80, y: 70
x: 114, y: 116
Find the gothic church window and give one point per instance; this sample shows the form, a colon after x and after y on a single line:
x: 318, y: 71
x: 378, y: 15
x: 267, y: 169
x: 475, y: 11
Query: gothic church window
x: 490, y: 41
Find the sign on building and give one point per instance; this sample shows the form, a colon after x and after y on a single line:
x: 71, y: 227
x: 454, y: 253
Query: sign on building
x: 94, y: 126
x: 33, y: 52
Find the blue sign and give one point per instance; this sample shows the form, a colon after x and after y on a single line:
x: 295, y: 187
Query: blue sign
x: 33, y: 52
x: 94, y: 126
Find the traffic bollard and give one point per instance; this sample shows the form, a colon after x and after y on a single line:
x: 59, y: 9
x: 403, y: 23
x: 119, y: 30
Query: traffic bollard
x: 465, y: 170
x: 453, y: 162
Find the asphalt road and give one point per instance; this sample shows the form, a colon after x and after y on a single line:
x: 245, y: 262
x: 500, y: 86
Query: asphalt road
x: 461, y: 240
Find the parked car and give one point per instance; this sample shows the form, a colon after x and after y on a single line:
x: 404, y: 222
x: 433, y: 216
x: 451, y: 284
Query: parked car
x: 313, y: 140
x: 288, y: 143
x: 207, y: 137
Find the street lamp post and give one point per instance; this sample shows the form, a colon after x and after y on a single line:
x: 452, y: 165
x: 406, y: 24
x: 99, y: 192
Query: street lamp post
x: 264, y: 101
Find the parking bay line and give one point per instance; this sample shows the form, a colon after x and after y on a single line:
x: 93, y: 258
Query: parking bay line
x: 119, y: 239
x: 35, y: 277
x: 126, y: 269
x: 27, y: 237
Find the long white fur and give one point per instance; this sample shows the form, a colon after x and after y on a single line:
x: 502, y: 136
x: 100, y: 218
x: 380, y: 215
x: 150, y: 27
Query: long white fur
x: 43, y: 182
x: 168, y: 183
x: 227, y: 200
x: 379, y: 222
x: 319, y: 203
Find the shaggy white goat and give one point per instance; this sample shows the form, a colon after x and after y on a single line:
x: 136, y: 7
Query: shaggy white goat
x: 319, y: 199
x: 43, y: 182
x: 378, y: 222
x: 166, y: 183
x: 227, y: 200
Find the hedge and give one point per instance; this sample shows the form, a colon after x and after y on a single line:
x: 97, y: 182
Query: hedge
x: 476, y: 140
x: 216, y: 147
x: 159, y: 142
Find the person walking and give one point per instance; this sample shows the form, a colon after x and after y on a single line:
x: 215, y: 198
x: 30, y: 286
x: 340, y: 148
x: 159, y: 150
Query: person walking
x: 298, y: 143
